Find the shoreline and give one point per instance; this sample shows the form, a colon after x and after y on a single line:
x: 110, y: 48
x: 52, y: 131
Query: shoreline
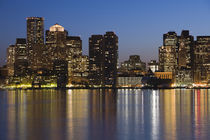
x: 92, y: 88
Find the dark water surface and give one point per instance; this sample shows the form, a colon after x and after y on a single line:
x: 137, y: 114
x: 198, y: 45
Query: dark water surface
x: 105, y: 114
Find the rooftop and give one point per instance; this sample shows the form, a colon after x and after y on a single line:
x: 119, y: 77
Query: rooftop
x: 57, y: 28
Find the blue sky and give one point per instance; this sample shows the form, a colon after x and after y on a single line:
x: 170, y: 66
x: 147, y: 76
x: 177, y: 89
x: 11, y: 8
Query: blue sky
x: 139, y: 24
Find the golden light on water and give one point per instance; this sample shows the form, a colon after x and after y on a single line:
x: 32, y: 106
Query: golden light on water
x: 167, y: 114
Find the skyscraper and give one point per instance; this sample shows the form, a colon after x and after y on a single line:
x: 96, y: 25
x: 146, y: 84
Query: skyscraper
x: 21, y: 57
x: 35, y: 30
x: 74, y: 55
x: 60, y: 69
x: 55, y: 44
x: 84, y: 65
x: 184, y: 72
x: 177, y: 56
x: 111, y: 57
x: 103, y: 56
x: 56, y: 36
x: 168, y: 52
x: 202, y: 60
x: 96, y: 60
x: 185, y: 50
x: 60, y: 46
x: 10, y: 59
x: 35, y: 41
x: 21, y: 49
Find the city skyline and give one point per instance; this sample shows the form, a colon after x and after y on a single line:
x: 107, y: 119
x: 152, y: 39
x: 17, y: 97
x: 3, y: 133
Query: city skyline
x: 139, y: 25
x: 105, y: 69
x: 59, y: 61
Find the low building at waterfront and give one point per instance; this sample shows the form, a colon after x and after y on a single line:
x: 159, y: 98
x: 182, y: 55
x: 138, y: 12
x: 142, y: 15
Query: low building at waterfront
x: 129, y: 81
x: 164, y: 75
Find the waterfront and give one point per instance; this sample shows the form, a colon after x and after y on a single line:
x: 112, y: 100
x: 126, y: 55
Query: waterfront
x: 121, y: 114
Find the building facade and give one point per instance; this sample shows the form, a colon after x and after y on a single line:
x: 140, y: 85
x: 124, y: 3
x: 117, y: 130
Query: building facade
x: 111, y: 57
x: 168, y: 52
x: 35, y: 31
x: 21, y: 58
x: 183, y: 78
x: 129, y: 81
x: 134, y: 63
x: 187, y: 59
x: 10, y: 59
x: 35, y: 41
x: 96, y: 59
x: 185, y: 50
x: 202, y: 60
x: 103, y: 56
x: 55, y: 44
x: 74, y: 55
x: 60, y: 69
x: 56, y: 36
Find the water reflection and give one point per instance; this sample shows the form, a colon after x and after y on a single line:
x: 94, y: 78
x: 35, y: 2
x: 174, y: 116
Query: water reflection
x: 105, y: 114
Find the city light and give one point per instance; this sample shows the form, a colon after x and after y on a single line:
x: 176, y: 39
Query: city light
x: 57, y: 62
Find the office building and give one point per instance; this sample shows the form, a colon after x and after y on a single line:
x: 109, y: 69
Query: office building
x: 96, y: 60
x: 21, y: 49
x: 21, y: 57
x: 55, y: 44
x: 60, y: 69
x: 83, y: 66
x: 10, y: 59
x: 74, y: 55
x: 167, y: 58
x: 185, y: 50
x: 35, y: 41
x: 35, y: 30
x: 111, y: 57
x: 202, y: 60
x: 183, y: 78
x: 168, y: 53
x: 163, y: 75
x: 56, y: 36
x: 133, y: 65
x: 129, y: 81
x: 103, y: 56
x: 185, y: 60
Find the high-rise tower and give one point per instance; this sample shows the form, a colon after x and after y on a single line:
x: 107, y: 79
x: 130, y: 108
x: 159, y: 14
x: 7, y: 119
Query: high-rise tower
x: 35, y: 41
x: 103, y: 56
x: 168, y: 52
x: 21, y: 58
x: 35, y: 30
x: 56, y: 36
x: 111, y: 57
x: 96, y: 59
x: 10, y: 59
x: 185, y: 50
x: 202, y: 60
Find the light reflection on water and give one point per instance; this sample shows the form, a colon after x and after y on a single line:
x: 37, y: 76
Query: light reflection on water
x: 105, y: 114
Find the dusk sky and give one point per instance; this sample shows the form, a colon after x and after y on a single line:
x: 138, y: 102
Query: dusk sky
x: 139, y: 24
